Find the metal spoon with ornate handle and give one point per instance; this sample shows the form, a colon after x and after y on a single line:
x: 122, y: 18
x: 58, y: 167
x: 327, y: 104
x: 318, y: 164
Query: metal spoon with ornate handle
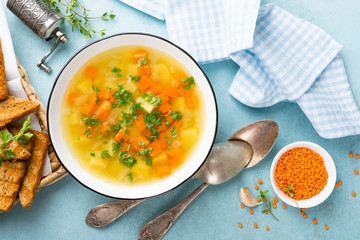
x: 261, y: 136
x: 106, y: 213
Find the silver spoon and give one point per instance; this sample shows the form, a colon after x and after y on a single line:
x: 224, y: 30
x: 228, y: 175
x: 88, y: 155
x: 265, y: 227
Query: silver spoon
x: 238, y: 152
x: 261, y: 135
x: 106, y: 213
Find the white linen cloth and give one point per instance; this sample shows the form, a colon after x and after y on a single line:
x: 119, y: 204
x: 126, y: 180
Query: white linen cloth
x: 281, y: 57
x: 13, y: 77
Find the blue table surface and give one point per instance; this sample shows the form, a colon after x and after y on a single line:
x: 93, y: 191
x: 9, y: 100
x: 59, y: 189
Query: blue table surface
x: 58, y: 211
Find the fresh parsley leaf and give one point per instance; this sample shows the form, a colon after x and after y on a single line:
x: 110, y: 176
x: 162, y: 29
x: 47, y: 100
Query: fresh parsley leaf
x: 130, y: 175
x: 167, y: 124
x: 123, y: 96
x: 134, y: 78
x: 152, y: 99
x: 176, y: 115
x: 92, y: 154
x: 144, y: 151
x: 105, y: 154
x: 173, y: 132
x: 168, y: 140
x: 9, y: 154
x: 1, y: 160
x: 128, y: 161
x: 22, y: 135
x: 143, y: 61
x: 87, y: 132
x: 77, y: 138
x: 154, y: 134
x: 148, y: 160
x: 5, y: 136
x: 96, y: 90
x: 117, y: 72
x: 91, y: 121
x: 153, y: 119
x: 190, y: 82
x: 115, y: 128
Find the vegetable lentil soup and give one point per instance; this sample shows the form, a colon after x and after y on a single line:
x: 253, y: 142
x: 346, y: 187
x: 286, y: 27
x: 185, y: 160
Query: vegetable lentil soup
x: 132, y: 115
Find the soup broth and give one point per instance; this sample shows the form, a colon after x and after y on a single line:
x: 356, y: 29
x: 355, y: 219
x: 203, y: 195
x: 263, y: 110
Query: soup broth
x: 132, y: 115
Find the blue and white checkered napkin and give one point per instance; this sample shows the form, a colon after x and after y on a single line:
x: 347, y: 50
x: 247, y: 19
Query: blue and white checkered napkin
x: 282, y: 58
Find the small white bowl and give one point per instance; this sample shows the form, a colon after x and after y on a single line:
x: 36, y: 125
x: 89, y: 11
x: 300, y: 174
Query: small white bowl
x: 70, y: 162
x: 324, y: 194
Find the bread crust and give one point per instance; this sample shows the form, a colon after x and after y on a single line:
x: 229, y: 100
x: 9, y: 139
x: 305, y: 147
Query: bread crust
x: 3, y: 82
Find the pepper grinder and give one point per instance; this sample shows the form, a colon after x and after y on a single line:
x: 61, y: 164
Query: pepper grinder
x: 37, y: 15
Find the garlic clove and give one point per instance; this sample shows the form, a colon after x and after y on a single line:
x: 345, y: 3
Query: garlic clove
x: 247, y: 199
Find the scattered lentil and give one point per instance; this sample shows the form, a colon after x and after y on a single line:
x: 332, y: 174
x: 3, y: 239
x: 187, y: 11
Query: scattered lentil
x: 259, y: 200
x: 276, y: 199
x: 304, y: 216
x: 302, y: 213
x: 314, y: 221
x: 357, y: 156
x: 267, y: 228
x: 255, y: 225
x: 351, y: 155
x: 284, y: 205
x: 256, y: 187
x: 353, y: 194
x: 326, y: 227
x: 240, y: 225
x: 336, y: 184
x: 356, y: 172
x: 340, y: 183
x: 251, y: 211
x: 242, y: 205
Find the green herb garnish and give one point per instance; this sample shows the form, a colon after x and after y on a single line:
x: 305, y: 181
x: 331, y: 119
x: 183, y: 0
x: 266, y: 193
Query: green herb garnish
x: 105, y: 154
x: 176, y: 115
x: 134, y: 78
x: 92, y: 154
x: 190, y: 82
x: 264, y: 200
x: 90, y: 121
x: 173, y: 132
x: 289, y: 190
x: 152, y: 99
x: 143, y: 61
x: 117, y: 72
x: 123, y: 96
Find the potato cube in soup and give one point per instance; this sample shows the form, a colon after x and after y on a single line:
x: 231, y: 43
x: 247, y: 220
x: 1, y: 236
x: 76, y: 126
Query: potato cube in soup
x: 84, y: 87
x: 130, y: 86
x: 179, y: 104
x: 163, y: 73
x: 81, y: 100
x: 188, y: 136
x: 160, y: 158
x: 148, y: 107
x: 142, y: 171
x: 132, y: 70
x: 98, y: 161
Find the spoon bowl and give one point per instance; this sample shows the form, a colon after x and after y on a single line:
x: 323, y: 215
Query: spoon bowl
x: 225, y: 161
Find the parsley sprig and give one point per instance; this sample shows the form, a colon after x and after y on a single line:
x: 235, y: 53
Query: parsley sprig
x: 152, y: 99
x: 7, y: 137
x: 268, y: 206
x: 77, y: 15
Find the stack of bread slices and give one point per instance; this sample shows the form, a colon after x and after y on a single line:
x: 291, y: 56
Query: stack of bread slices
x: 22, y: 149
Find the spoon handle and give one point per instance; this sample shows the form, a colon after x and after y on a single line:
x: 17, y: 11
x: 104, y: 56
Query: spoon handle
x: 106, y: 213
x: 158, y: 227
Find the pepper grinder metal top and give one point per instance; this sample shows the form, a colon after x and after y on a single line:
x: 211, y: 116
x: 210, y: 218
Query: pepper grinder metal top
x: 42, y: 20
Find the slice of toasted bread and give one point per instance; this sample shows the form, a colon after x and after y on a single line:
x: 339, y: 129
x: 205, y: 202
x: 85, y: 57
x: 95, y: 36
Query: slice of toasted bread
x: 3, y: 82
x: 22, y: 150
x: 11, y: 175
x: 33, y: 173
x: 14, y: 108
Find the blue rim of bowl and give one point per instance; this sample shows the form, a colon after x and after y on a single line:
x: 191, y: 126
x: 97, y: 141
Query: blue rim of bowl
x: 116, y: 35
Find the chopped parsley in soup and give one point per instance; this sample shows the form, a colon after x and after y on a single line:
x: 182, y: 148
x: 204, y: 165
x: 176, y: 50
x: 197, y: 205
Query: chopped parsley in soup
x: 132, y: 115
